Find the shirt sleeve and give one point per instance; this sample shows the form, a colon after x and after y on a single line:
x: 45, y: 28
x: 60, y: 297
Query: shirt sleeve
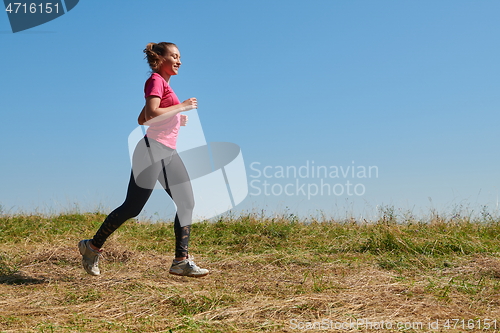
x: 154, y: 87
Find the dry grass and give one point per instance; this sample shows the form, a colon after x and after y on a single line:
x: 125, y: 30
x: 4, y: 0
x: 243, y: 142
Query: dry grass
x: 257, y: 283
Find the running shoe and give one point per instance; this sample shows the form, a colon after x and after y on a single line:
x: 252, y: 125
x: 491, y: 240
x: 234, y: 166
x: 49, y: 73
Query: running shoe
x: 187, y: 267
x: 90, y: 257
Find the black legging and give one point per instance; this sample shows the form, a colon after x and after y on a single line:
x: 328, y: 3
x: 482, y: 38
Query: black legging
x: 154, y: 161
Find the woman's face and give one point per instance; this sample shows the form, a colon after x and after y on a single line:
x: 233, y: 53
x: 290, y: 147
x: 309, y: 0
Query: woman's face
x: 172, y: 61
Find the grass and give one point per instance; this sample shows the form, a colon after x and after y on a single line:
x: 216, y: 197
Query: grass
x: 265, y: 274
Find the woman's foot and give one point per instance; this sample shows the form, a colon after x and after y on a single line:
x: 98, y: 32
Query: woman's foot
x: 90, y: 257
x: 187, y: 267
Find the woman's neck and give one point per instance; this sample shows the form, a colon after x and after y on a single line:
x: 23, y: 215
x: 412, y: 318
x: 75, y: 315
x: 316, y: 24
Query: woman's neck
x: 165, y: 76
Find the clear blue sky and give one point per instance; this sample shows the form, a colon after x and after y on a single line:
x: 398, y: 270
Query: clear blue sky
x: 411, y: 87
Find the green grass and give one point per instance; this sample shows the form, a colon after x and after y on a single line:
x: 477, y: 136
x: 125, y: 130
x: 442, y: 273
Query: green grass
x: 265, y: 271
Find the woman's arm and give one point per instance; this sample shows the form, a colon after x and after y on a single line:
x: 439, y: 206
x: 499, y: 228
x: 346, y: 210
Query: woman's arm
x: 142, y: 117
x: 153, y: 113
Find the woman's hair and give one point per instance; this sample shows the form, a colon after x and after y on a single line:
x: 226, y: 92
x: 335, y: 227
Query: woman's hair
x: 155, y: 53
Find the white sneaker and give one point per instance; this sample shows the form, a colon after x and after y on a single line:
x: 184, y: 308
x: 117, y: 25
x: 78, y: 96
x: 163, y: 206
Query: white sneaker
x: 90, y: 257
x: 187, y: 267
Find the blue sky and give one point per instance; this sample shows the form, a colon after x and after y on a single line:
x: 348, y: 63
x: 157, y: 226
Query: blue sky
x: 408, y: 87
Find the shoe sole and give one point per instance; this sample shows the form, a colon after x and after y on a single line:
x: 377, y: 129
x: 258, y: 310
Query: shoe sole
x: 196, y: 276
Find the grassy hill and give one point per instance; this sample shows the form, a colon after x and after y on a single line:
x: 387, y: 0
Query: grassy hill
x: 267, y: 274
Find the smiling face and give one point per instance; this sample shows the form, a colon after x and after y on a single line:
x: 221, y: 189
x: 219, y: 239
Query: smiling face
x: 172, y: 61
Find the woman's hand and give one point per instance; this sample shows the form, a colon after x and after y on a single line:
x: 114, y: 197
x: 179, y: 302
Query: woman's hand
x: 184, y: 119
x: 190, y: 104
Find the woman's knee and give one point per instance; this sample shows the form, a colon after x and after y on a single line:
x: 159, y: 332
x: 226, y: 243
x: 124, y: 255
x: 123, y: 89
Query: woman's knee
x: 134, y: 213
x: 130, y: 210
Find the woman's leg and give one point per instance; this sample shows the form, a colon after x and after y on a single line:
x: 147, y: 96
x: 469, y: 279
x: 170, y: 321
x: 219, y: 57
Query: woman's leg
x: 177, y: 184
x: 142, y: 182
x: 134, y: 202
x: 131, y: 207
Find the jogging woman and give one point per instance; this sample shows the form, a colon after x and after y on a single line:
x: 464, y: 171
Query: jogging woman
x: 155, y: 159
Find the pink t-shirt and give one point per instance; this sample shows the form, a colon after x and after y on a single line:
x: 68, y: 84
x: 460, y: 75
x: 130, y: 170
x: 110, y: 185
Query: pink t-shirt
x: 165, y: 131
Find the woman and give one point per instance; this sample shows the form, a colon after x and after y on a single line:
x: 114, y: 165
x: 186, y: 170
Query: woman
x: 155, y: 158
